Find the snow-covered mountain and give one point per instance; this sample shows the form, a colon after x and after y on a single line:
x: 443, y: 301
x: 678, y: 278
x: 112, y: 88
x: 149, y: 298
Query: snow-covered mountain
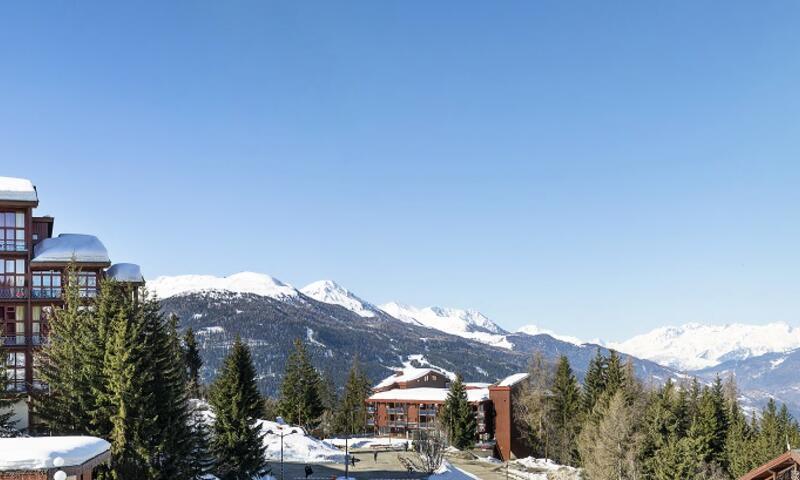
x: 695, y: 346
x: 464, y: 323
x: 328, y: 291
x: 536, y: 330
x: 244, y: 282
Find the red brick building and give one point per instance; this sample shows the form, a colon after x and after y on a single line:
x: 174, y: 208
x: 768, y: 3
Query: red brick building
x: 410, y: 401
x: 33, y: 267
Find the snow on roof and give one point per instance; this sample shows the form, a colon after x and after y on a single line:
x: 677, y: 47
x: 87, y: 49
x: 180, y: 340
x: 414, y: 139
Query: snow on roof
x: 244, y: 282
x: 125, y: 272
x: 407, y: 374
x: 38, y: 453
x: 512, y: 380
x: 477, y: 385
x: 428, y: 394
x: 17, y: 190
x: 71, y: 246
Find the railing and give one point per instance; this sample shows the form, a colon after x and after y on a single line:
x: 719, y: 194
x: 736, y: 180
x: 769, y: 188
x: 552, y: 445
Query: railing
x: 21, y: 340
x: 13, y: 246
x: 397, y: 410
x: 7, y: 293
x: 46, y: 292
x: 427, y: 411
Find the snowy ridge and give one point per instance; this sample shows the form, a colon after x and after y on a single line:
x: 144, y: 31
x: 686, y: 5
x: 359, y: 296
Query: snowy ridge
x: 245, y: 282
x: 328, y: 291
x: 536, y: 330
x: 694, y: 346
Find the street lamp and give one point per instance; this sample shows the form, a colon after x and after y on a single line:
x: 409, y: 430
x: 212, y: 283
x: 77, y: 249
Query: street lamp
x: 281, y: 434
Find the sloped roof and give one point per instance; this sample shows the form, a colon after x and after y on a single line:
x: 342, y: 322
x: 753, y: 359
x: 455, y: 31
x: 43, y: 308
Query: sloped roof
x: 407, y: 374
x: 428, y: 394
x: 512, y: 380
x: 125, y: 272
x: 69, y: 247
x: 39, y: 453
x: 17, y: 190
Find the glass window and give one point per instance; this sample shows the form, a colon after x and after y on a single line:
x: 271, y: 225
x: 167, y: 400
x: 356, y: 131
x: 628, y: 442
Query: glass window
x: 12, y: 231
x: 12, y: 279
x: 46, y: 284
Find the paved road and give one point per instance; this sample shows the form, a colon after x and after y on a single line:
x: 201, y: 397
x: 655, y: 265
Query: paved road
x: 388, y: 466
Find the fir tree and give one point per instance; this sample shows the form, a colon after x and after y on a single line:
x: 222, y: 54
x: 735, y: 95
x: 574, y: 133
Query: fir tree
x: 458, y: 417
x: 193, y: 362
x: 565, y: 411
x: 594, y: 383
x: 300, y: 402
x: 237, y: 442
x: 7, y: 401
x: 614, y: 375
x: 351, y: 415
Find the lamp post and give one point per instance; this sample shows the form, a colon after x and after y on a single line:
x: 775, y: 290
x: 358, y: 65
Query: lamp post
x: 281, y: 434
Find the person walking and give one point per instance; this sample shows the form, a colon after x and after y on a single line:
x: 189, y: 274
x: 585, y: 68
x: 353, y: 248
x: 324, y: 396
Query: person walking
x: 375, y: 456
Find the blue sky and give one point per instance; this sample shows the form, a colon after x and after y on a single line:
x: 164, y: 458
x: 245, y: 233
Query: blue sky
x: 596, y: 169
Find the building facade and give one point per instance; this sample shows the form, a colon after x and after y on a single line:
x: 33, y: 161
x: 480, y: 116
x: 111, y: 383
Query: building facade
x: 33, y: 272
x: 783, y: 467
x: 410, y: 401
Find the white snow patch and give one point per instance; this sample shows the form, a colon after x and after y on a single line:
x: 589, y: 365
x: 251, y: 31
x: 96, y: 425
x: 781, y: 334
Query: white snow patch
x: 297, y: 445
x: 37, y: 453
x: 369, y: 442
x: 17, y: 190
x: 210, y: 330
x: 448, y: 472
x: 310, y: 338
x: 536, y: 330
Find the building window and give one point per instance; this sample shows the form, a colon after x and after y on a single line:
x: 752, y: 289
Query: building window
x: 12, y: 279
x: 15, y: 367
x: 87, y: 284
x: 12, y: 231
x: 13, y: 324
x: 46, y: 284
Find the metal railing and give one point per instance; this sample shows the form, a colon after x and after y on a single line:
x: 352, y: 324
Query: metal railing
x: 13, y: 246
x: 46, y: 292
x: 8, y: 293
x: 21, y: 340
x: 427, y: 411
x: 397, y: 410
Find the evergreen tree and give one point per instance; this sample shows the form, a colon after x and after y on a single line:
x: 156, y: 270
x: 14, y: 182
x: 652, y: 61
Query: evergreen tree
x: 565, y: 412
x: 594, y: 383
x: 300, y: 402
x: 7, y: 401
x: 351, y: 414
x: 458, y: 417
x: 237, y: 442
x: 193, y: 362
x: 614, y: 375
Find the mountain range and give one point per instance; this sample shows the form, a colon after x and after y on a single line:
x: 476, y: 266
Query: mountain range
x: 337, y: 324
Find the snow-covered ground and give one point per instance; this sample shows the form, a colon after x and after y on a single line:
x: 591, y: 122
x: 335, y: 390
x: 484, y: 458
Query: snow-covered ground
x: 328, y: 291
x: 448, y: 472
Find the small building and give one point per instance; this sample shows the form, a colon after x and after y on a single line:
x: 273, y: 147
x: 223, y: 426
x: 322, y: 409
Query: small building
x: 40, y: 458
x: 783, y: 467
x: 410, y: 400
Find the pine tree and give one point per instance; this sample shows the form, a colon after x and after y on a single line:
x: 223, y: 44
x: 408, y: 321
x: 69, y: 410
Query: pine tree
x: 351, y: 414
x: 300, y: 403
x: 237, y: 442
x: 565, y: 413
x: 614, y: 375
x: 7, y: 400
x: 193, y: 362
x: 594, y: 383
x: 458, y: 417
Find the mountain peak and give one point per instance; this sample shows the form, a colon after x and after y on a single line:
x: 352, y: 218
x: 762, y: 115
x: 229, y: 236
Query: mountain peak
x: 242, y: 282
x: 328, y: 291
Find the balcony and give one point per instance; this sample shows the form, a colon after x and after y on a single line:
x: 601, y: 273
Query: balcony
x: 21, y: 340
x: 46, y: 292
x: 13, y: 246
x: 427, y: 411
x: 13, y: 293
x: 397, y: 410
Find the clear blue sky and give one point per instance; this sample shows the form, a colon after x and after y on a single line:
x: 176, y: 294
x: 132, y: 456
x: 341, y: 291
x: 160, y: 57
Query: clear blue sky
x: 596, y: 168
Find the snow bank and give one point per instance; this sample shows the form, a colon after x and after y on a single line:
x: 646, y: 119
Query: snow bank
x: 531, y: 468
x: 448, y: 472
x: 38, y: 453
x: 298, y: 447
x: 376, y: 442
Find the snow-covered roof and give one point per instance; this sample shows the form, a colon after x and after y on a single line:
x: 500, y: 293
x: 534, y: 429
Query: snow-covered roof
x: 512, y: 380
x: 125, y: 272
x: 428, y: 394
x: 69, y: 247
x: 17, y: 190
x: 38, y: 453
x: 407, y: 374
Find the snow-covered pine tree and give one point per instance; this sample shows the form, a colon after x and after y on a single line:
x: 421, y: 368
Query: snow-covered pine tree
x: 237, y: 440
x: 300, y: 402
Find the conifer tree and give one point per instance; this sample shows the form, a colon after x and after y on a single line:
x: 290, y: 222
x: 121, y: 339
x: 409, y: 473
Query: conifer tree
x: 594, y: 383
x: 565, y: 412
x: 458, y: 417
x: 351, y: 414
x: 300, y: 402
x: 237, y: 441
x: 8, y: 426
x: 193, y: 362
x: 614, y: 375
